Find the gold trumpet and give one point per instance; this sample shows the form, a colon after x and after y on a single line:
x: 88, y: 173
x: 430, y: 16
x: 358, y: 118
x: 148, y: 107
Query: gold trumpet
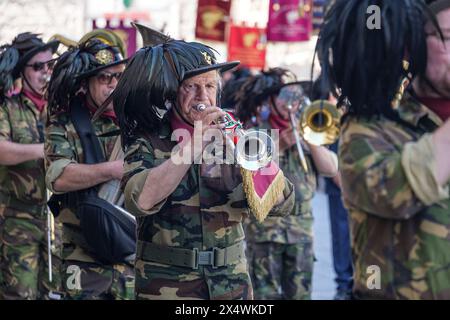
x: 253, y: 149
x: 319, y: 122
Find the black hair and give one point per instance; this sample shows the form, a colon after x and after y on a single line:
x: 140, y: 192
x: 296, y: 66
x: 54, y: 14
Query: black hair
x: 365, y: 65
x: 257, y: 89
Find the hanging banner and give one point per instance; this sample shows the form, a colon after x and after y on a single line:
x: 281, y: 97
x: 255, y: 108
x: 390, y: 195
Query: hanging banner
x: 319, y: 7
x: 212, y: 16
x: 127, y: 33
x: 248, y: 45
x: 289, y: 20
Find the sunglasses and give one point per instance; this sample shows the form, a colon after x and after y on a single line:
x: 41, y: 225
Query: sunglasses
x: 106, y: 78
x: 38, y: 66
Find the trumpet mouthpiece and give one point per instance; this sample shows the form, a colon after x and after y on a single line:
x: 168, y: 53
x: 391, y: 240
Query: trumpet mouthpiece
x: 200, y: 107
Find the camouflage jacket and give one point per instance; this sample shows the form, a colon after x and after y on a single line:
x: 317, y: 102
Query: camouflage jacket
x: 63, y: 147
x: 205, y: 211
x: 295, y: 227
x: 400, y: 216
x: 23, y: 184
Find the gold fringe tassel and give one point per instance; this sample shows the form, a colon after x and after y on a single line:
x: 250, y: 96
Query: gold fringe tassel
x: 261, y: 207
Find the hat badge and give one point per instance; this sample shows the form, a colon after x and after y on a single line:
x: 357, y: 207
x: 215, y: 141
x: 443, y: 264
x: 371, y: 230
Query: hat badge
x: 104, y: 56
x: 207, y: 57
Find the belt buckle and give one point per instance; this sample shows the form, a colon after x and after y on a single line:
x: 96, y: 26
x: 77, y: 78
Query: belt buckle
x: 203, y: 258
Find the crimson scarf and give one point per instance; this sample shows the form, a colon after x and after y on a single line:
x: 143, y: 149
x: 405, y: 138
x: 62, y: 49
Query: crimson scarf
x: 177, y: 123
x: 37, y: 99
x: 107, y: 114
x: 440, y: 106
x: 276, y: 122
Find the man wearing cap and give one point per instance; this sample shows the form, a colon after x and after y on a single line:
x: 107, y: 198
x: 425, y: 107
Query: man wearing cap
x: 23, y: 196
x: 190, y: 235
x: 280, y: 249
x: 394, y: 149
x: 84, y: 76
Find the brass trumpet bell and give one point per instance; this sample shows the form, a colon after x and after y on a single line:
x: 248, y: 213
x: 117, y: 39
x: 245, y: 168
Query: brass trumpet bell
x: 319, y: 123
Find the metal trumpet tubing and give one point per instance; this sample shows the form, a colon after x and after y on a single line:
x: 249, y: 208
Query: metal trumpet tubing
x: 252, y: 149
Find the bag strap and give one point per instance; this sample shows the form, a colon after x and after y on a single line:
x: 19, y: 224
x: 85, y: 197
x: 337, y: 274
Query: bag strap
x: 90, y: 143
x: 92, y: 154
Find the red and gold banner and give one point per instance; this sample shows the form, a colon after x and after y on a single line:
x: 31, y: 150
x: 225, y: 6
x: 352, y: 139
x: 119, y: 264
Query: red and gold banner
x: 248, y: 45
x: 289, y: 20
x: 212, y: 16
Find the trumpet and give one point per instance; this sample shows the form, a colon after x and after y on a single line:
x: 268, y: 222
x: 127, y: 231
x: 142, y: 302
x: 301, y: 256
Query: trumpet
x: 319, y: 122
x: 294, y: 94
x: 252, y: 149
x: 297, y: 140
x: 47, y: 78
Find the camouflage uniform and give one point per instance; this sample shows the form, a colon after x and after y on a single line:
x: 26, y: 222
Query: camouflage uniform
x: 23, y: 223
x: 400, y: 217
x: 204, y: 213
x: 280, y: 250
x: 84, y: 277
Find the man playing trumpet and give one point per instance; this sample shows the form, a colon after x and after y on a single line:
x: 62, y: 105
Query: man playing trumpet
x: 190, y: 235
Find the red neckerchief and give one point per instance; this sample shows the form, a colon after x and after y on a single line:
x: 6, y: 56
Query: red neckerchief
x: 440, y: 106
x: 37, y: 99
x: 276, y: 122
x: 177, y: 123
x: 107, y: 114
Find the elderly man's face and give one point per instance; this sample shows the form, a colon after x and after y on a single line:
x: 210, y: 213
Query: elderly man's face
x: 438, y: 65
x: 199, y: 89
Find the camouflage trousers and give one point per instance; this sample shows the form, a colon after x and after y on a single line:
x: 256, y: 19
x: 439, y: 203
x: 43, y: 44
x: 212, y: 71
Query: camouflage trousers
x: 96, y: 281
x: 24, y: 272
x: 281, y: 271
x: 155, y: 281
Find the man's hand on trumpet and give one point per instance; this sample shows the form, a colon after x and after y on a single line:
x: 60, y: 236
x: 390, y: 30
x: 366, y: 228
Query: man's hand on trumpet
x: 286, y: 139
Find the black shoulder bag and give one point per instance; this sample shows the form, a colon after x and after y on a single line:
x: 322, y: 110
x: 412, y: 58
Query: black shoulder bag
x: 109, y: 230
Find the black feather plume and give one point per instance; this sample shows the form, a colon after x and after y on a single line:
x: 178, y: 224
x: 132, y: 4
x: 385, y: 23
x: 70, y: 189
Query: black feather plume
x: 151, y: 37
x: 9, y: 56
x: 65, y: 83
x: 366, y: 65
x: 256, y: 89
x: 150, y: 82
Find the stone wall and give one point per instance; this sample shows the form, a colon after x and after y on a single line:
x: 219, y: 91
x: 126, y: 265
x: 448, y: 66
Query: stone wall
x: 47, y: 17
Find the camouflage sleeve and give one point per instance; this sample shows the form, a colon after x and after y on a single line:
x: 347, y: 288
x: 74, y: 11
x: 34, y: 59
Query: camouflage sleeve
x: 5, y: 127
x: 421, y: 174
x: 59, y: 153
x: 285, y: 208
x: 373, y: 177
x: 139, y: 159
